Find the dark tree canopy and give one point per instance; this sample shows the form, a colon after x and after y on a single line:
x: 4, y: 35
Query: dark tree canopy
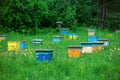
x: 24, y: 15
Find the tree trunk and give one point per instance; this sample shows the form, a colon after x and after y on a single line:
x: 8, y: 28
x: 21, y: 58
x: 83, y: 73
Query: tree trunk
x: 104, y: 14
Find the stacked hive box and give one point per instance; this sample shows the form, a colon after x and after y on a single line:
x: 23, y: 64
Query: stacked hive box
x: 13, y: 45
x: 98, y: 46
x: 74, y: 51
x: 73, y: 36
x: 64, y: 31
x: 91, y: 35
x: 44, y: 55
x: 87, y: 47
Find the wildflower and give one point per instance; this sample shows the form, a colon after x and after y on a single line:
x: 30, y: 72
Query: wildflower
x: 110, y: 53
x: 118, y: 49
x: 115, y: 48
x: 26, y: 79
x: 110, y: 58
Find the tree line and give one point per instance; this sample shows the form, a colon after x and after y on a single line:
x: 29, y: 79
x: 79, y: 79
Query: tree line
x: 30, y: 15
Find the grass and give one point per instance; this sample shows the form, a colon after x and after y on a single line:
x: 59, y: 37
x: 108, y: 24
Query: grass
x: 22, y: 65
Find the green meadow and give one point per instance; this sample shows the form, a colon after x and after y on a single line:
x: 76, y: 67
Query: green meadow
x: 22, y: 65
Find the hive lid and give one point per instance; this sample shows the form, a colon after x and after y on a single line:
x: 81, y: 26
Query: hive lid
x: 59, y: 22
x: 13, y: 41
x: 87, y: 43
x: 57, y: 36
x: 91, y: 30
x: 23, y: 41
x: 73, y: 34
x: 103, y: 39
x: 64, y: 29
x: 2, y: 35
x: 74, y: 47
x: 98, y: 43
x: 37, y: 40
x: 44, y: 50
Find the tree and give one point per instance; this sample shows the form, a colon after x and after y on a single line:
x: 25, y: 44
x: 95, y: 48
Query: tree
x: 104, y: 13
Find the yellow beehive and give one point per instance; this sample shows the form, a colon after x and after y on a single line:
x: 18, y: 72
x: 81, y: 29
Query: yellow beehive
x: 13, y: 46
x: 73, y: 36
x: 70, y: 37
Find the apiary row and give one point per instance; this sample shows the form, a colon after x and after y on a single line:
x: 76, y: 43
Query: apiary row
x: 93, y: 44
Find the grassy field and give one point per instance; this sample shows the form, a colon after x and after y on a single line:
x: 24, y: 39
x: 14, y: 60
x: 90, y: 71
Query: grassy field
x: 22, y: 65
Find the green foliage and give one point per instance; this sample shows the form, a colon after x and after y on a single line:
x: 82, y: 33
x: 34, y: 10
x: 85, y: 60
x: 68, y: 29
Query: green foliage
x: 29, y: 15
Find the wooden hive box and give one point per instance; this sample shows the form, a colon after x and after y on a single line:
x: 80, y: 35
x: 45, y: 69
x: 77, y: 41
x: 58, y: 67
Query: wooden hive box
x: 64, y: 31
x: 87, y: 47
x: 44, y: 55
x: 98, y: 46
x: 106, y: 41
x: 91, y: 32
x: 74, y: 51
x: 37, y: 41
x: 73, y: 36
x: 13, y: 45
x: 23, y: 44
x: 2, y: 37
x: 57, y: 39
x: 92, y: 38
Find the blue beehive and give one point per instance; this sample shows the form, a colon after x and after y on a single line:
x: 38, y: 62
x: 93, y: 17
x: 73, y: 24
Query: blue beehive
x: 44, y: 55
x: 57, y: 39
x: 64, y: 31
x: 92, y: 38
x: 23, y: 45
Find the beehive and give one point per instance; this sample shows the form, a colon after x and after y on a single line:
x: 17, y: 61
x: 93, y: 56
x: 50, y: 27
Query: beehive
x: 106, y: 42
x: 92, y: 38
x: 2, y: 37
x: 87, y: 47
x: 57, y: 39
x: 98, y: 46
x: 64, y: 31
x: 73, y: 36
x: 74, y: 51
x: 37, y: 41
x: 23, y: 45
x: 44, y: 55
x: 13, y: 46
x: 91, y: 32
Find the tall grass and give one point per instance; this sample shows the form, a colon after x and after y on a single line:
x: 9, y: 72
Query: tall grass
x: 22, y: 65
